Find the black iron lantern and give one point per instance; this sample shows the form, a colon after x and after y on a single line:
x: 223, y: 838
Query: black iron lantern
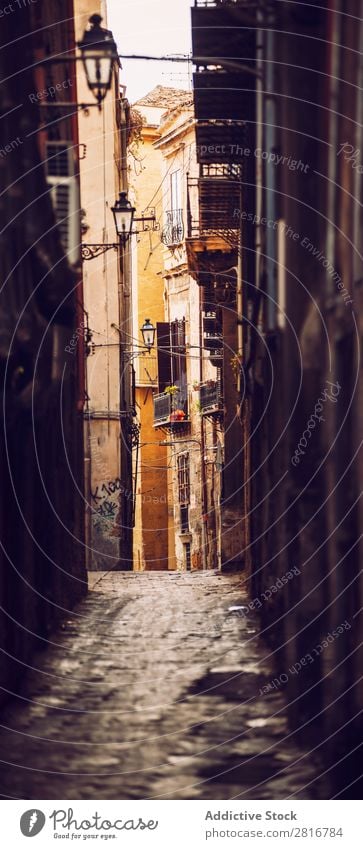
x: 148, y: 334
x: 99, y: 52
x: 123, y: 214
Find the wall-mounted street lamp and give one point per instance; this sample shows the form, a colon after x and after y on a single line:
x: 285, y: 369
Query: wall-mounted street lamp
x: 98, y: 53
x: 123, y: 213
x: 148, y: 334
x: 124, y: 217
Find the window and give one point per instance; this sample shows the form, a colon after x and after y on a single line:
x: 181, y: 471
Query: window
x: 184, y: 491
x: 175, y: 191
x: 183, y: 479
x: 184, y: 519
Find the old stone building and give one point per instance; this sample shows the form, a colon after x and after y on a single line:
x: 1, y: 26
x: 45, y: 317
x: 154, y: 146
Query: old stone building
x: 300, y: 222
x: 153, y: 536
x: 177, y: 416
x: 188, y: 404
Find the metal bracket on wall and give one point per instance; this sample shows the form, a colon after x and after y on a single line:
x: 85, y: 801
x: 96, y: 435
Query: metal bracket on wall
x: 91, y: 251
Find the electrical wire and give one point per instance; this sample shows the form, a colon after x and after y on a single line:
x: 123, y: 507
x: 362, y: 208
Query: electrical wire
x: 159, y: 187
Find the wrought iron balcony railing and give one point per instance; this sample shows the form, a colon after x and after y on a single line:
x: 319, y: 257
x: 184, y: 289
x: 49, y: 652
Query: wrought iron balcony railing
x: 173, y: 232
x: 170, y: 410
x: 212, y: 341
x: 210, y: 397
x: 212, y: 332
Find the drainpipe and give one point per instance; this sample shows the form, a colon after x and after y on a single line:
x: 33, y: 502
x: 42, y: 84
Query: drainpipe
x: 204, y: 494
x: 87, y: 453
x: 270, y: 122
x: 239, y: 297
x: 259, y: 136
x: 333, y: 100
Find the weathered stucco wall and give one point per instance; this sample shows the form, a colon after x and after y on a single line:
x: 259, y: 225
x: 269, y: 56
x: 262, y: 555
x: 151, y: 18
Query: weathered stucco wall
x: 100, y: 170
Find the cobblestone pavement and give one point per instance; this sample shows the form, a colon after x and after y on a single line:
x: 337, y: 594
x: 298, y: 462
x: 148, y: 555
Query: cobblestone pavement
x: 152, y: 689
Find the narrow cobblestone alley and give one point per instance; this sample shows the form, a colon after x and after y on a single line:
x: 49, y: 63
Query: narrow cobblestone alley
x: 151, y: 689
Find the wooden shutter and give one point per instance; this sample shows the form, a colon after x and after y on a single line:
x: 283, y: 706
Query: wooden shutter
x: 164, y: 358
x: 179, y: 365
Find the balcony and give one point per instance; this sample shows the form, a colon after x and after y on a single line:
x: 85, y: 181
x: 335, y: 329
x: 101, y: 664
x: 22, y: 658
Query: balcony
x: 173, y: 232
x: 170, y: 411
x: 213, y: 235
x: 224, y: 33
x: 210, y: 253
x: 212, y: 332
x: 212, y: 341
x: 210, y: 398
x: 220, y: 141
x: 219, y: 190
x: 224, y: 52
x: 223, y: 95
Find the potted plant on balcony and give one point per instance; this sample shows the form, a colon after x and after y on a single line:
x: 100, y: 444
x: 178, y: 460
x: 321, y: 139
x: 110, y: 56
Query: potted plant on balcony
x: 177, y: 414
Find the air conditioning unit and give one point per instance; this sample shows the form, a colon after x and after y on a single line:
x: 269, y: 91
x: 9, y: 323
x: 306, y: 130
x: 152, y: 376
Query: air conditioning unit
x: 64, y: 193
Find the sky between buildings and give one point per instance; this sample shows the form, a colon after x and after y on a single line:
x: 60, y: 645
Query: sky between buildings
x: 151, y: 27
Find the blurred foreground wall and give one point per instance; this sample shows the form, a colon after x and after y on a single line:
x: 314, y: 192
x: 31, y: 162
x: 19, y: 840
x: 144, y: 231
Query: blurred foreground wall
x: 41, y: 450
x: 307, y: 377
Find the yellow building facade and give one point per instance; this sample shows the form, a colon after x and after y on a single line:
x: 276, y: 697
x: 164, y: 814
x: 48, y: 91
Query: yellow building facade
x: 153, y: 532
x: 179, y: 476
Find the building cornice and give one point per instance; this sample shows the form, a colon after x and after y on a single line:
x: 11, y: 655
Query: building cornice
x: 175, y: 134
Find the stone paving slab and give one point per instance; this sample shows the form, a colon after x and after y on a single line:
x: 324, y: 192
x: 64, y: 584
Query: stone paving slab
x: 151, y: 688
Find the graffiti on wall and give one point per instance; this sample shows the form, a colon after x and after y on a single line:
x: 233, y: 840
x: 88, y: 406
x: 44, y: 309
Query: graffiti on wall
x: 106, y: 490
x: 106, y: 507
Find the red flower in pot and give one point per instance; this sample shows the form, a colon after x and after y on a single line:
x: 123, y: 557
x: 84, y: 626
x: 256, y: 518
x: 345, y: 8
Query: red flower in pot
x: 177, y: 416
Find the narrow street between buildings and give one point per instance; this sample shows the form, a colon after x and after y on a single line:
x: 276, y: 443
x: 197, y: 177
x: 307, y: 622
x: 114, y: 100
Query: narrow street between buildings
x: 152, y: 689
